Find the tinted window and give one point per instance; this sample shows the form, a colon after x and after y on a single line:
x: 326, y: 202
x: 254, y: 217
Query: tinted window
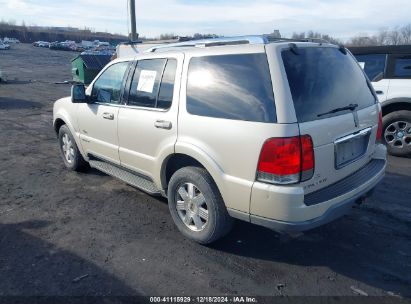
x: 402, y: 66
x: 323, y: 79
x: 107, y: 88
x: 231, y: 86
x: 373, y: 64
x: 165, y: 96
x: 146, y: 81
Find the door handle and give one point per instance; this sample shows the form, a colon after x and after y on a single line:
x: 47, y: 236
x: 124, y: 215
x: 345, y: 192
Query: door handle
x: 109, y: 116
x: 379, y: 92
x: 163, y: 124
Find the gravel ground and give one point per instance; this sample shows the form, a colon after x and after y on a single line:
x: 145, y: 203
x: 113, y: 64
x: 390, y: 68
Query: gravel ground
x: 66, y: 233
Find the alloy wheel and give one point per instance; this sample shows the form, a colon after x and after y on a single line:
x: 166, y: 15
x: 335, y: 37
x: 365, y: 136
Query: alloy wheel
x: 192, y: 207
x: 398, y: 134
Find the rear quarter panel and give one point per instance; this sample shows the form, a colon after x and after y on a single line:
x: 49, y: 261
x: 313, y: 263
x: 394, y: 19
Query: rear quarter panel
x: 228, y: 149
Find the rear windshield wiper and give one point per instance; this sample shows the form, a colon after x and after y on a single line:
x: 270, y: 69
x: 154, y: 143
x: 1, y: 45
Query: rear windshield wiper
x: 351, y: 106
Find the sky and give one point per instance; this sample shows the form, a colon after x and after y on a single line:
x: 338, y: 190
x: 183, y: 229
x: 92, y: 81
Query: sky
x: 341, y: 19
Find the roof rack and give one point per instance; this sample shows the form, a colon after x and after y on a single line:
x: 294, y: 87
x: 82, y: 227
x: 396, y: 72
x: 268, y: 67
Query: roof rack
x: 315, y: 40
x: 251, y: 39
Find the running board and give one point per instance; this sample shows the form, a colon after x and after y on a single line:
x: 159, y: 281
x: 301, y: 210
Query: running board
x: 126, y: 176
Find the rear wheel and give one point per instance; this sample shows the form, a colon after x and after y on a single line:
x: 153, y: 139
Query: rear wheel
x: 196, y: 205
x: 70, y: 153
x: 397, y: 132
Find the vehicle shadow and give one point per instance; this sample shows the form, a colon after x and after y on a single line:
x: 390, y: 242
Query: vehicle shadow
x: 30, y: 266
x: 16, y: 104
x: 370, y: 245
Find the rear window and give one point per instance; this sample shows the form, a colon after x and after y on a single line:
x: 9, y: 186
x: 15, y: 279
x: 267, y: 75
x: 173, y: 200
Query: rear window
x: 323, y: 79
x: 231, y: 87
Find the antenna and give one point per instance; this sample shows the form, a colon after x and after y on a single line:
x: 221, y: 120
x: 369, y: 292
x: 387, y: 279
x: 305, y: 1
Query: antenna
x: 134, y: 35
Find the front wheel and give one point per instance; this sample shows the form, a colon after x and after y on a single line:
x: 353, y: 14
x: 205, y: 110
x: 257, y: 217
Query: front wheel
x: 196, y: 205
x: 397, y: 132
x: 70, y: 153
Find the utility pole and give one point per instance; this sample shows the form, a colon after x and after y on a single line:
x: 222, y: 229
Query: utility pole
x: 134, y: 35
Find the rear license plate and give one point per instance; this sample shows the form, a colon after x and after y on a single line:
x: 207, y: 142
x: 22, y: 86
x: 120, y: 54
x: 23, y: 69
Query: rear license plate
x: 350, y: 148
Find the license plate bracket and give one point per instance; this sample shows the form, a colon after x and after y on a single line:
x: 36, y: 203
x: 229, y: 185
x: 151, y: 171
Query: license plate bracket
x: 350, y: 148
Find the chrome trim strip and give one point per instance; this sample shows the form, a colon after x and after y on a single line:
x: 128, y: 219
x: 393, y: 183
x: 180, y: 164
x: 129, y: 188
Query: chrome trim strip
x: 130, y: 107
x: 354, y: 135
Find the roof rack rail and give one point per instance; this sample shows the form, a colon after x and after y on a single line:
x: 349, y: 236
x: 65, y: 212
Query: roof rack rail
x: 315, y: 40
x: 252, y: 39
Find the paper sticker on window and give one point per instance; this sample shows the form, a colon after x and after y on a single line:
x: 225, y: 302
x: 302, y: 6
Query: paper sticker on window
x: 146, y: 81
x: 362, y: 65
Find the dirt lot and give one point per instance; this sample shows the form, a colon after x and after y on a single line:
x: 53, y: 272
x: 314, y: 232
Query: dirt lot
x: 56, y: 225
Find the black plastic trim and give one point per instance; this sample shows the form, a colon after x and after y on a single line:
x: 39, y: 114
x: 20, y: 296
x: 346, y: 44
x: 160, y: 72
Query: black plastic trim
x: 345, y: 185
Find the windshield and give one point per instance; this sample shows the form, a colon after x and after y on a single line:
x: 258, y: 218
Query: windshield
x: 323, y: 79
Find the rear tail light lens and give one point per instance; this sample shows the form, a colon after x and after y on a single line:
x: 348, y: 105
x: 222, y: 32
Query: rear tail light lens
x: 286, y: 160
x: 307, y: 156
x: 379, y: 130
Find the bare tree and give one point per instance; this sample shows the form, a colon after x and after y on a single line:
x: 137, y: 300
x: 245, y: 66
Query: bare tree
x: 395, y: 36
x: 406, y: 34
x: 382, y: 37
x: 298, y: 35
x: 312, y: 34
x: 363, y: 40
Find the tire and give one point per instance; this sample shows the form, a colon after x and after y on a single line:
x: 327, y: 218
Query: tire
x: 75, y: 160
x: 217, y: 221
x: 394, y: 125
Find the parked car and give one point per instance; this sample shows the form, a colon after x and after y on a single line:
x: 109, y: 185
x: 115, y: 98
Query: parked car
x: 389, y: 69
x: 4, y: 46
x: 43, y: 44
x: 283, y: 135
x: 10, y: 40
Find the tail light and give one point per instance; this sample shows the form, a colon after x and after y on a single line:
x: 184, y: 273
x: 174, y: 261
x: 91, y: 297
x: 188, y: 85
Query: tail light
x: 379, y: 130
x: 286, y: 160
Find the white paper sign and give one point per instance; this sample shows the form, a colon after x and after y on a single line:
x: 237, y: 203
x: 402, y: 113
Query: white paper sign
x: 146, y: 81
x: 362, y: 64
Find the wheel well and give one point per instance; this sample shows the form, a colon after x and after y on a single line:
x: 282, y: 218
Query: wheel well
x: 176, y: 162
x: 393, y: 107
x: 57, y: 125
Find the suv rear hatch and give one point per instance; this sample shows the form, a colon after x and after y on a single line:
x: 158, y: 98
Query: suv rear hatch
x: 335, y: 105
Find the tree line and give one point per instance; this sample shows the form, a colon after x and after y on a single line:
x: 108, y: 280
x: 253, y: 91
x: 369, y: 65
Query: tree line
x: 395, y: 36
x: 29, y: 34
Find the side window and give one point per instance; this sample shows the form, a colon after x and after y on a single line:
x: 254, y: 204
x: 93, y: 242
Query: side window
x: 107, y: 88
x: 403, y: 67
x: 153, y: 83
x: 232, y: 87
x: 373, y: 64
x: 165, y: 95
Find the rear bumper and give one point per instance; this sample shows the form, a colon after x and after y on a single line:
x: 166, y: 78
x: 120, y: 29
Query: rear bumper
x: 325, y: 205
x: 330, y: 215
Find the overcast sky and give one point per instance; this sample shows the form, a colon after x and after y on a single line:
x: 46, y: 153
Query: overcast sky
x: 338, y: 18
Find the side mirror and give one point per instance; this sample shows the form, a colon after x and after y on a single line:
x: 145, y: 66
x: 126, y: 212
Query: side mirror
x: 78, y: 93
x: 378, y: 77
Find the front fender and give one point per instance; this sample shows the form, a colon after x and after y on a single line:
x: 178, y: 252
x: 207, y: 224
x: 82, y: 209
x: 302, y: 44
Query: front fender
x: 65, y: 110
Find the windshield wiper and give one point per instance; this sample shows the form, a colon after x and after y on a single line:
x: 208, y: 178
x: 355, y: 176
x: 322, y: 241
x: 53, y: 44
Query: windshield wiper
x: 351, y: 106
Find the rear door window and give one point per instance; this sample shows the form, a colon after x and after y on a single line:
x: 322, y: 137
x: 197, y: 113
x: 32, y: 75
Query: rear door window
x: 153, y: 83
x: 231, y: 87
x: 165, y: 95
x: 373, y: 64
x: 322, y: 79
x: 403, y: 67
x: 146, y: 82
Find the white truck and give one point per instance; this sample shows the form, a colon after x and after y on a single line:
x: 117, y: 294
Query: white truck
x: 389, y: 70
